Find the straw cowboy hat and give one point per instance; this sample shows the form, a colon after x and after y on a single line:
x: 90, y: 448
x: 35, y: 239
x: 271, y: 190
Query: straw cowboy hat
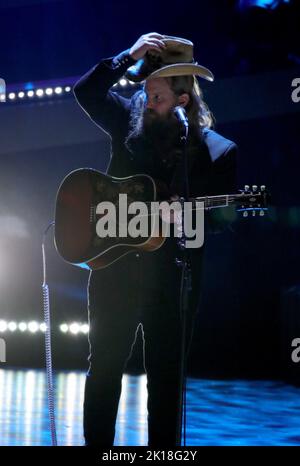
x: 175, y: 60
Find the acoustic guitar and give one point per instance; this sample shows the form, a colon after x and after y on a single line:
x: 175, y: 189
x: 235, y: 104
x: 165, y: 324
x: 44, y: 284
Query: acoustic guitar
x: 85, y: 197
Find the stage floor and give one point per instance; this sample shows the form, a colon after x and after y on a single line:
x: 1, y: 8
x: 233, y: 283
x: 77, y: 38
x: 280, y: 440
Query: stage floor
x: 235, y: 412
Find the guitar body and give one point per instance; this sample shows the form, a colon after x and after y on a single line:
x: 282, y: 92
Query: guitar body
x: 76, y: 238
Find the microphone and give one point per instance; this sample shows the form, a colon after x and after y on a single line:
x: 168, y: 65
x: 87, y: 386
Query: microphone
x: 180, y: 114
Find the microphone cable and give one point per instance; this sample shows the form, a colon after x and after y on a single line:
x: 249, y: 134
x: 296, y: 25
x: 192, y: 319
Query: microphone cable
x: 48, y: 352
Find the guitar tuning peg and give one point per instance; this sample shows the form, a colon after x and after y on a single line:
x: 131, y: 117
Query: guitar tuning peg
x: 254, y: 188
x: 261, y: 213
x: 246, y: 188
x: 245, y: 213
x: 263, y: 187
x: 253, y: 213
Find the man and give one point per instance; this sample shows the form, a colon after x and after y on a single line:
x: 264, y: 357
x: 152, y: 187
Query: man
x: 144, y: 289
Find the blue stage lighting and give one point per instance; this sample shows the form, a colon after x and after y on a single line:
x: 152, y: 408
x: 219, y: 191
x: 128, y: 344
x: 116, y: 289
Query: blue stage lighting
x: 267, y: 4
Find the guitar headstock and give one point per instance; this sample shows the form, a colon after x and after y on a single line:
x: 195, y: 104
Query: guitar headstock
x: 253, y: 200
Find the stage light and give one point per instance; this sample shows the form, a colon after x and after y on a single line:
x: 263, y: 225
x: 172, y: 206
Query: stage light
x: 22, y: 326
x: 43, y: 327
x: 12, y: 326
x: 74, y: 328
x: 30, y: 91
x: 33, y: 327
x: 28, y: 86
x: 84, y: 328
x: 3, y: 326
x: 40, y: 92
x: 64, y: 328
x: 267, y: 4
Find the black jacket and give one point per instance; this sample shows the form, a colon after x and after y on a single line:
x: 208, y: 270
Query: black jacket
x: 213, y: 170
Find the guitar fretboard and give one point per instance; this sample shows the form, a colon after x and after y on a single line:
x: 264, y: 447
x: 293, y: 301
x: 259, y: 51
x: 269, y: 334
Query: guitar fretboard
x: 211, y: 202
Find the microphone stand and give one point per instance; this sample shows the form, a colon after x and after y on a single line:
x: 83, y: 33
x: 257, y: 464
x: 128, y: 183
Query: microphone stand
x: 185, y: 289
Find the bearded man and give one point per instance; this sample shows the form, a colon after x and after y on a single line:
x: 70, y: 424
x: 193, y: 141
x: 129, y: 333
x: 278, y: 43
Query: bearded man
x: 143, y: 289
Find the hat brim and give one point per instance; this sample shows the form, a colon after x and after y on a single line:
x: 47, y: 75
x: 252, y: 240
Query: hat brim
x: 182, y: 69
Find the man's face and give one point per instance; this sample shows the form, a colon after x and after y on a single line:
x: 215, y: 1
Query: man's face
x: 160, y: 98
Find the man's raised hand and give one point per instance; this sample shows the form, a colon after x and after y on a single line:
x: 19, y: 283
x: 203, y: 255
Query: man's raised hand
x: 150, y: 41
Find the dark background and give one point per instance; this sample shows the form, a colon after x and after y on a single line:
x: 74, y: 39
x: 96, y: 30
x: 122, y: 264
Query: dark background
x: 250, y: 305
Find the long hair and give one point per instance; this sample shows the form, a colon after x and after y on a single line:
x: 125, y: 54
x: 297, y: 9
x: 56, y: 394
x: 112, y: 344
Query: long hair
x: 197, y: 110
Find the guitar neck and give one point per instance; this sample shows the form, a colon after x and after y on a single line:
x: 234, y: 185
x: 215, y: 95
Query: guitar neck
x: 213, y: 202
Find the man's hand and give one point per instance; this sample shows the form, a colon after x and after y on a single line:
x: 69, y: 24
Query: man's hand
x: 151, y: 41
x: 170, y: 216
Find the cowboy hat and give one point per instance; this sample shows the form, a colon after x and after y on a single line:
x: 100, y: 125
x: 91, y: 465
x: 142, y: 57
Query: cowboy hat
x: 175, y: 60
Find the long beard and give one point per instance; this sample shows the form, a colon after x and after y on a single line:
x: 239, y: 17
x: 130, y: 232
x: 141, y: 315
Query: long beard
x: 160, y: 131
x: 160, y: 136
x: 154, y: 131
